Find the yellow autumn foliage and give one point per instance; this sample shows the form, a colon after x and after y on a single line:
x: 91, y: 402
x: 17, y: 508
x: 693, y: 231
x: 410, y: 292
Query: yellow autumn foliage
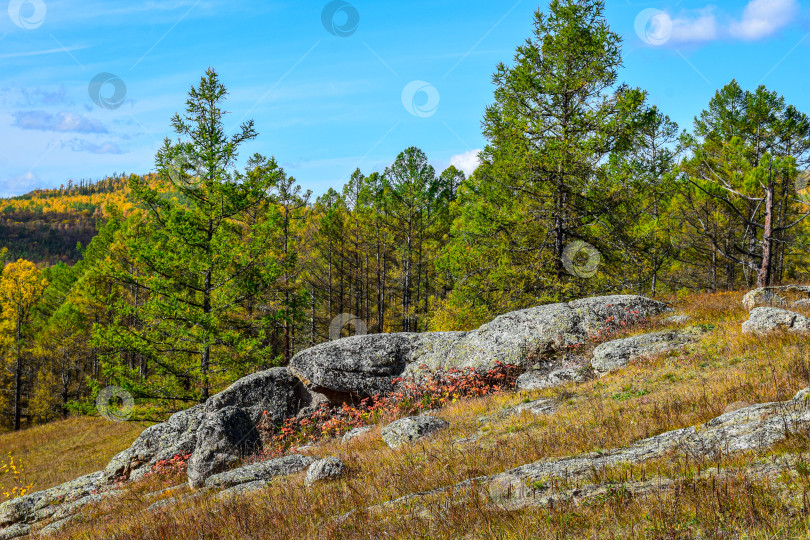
x: 11, y: 472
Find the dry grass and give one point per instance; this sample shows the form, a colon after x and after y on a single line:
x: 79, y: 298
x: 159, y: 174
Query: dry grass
x: 60, y: 451
x: 645, y: 399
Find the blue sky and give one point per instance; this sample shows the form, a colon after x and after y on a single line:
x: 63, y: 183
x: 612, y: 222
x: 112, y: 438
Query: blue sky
x: 333, y: 86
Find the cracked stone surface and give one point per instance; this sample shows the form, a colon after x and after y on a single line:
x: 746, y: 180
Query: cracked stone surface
x: 264, y: 470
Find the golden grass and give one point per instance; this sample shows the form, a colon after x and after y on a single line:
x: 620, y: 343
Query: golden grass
x: 647, y: 398
x: 63, y: 450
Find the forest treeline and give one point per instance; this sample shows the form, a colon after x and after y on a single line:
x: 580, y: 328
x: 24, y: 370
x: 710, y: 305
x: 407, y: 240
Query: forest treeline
x: 46, y: 226
x: 204, y: 271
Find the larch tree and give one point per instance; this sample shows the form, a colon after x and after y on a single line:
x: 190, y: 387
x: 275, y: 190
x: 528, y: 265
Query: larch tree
x: 746, y: 152
x: 21, y: 287
x: 558, y: 113
x: 198, y: 253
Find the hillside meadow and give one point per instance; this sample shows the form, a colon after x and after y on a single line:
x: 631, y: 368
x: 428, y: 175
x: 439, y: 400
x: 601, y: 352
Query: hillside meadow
x: 709, y: 497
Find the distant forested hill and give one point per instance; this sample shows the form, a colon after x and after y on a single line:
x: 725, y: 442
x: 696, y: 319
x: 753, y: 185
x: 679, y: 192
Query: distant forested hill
x: 46, y: 226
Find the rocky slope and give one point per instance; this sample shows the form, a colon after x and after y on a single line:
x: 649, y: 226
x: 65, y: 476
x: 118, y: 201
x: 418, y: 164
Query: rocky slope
x: 219, y: 433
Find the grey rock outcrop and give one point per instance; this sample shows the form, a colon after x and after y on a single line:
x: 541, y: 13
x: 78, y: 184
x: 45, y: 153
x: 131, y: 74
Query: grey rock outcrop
x: 756, y: 427
x: 275, y: 390
x: 58, y: 503
x: 360, y: 366
x: 751, y: 428
x: 410, y: 429
x: 224, y: 437
x: 262, y: 471
x: 783, y: 296
x: 356, y: 432
x: 764, y: 320
x: 324, y: 469
x: 536, y: 380
x: 178, y: 435
x: 365, y: 365
x: 615, y: 354
x: 18, y: 530
x: 677, y: 319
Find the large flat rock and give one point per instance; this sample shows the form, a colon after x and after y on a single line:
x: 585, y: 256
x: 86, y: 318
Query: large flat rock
x: 753, y: 428
x: 365, y: 365
x: 361, y: 366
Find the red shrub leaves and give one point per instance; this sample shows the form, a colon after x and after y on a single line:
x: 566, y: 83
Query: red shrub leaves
x: 175, y: 464
x: 411, y: 396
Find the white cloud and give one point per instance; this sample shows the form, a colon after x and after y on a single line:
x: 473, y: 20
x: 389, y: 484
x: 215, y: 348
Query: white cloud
x: 761, y: 18
x: 703, y: 26
x: 17, y: 185
x: 467, y: 162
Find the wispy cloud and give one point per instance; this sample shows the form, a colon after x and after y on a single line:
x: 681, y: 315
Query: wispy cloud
x: 81, y: 145
x: 467, y: 162
x: 22, y: 54
x: 62, y: 122
x: 15, y: 96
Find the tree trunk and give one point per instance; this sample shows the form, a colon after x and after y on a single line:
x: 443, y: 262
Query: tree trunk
x: 764, y: 277
x: 18, y: 373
